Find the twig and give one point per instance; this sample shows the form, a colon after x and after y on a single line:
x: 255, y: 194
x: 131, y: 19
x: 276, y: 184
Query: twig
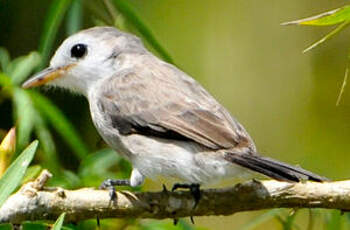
x: 33, y: 202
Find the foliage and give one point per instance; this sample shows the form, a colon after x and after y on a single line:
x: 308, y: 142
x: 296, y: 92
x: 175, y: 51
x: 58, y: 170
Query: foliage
x: 14, y: 174
x: 340, y: 17
x: 54, y: 18
x: 59, y: 222
x: 33, y: 112
x: 125, y: 8
x: 7, y: 149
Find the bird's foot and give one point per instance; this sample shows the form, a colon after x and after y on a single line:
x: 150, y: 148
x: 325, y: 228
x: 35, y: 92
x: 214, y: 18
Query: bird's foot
x: 194, y: 189
x: 110, y: 183
x: 195, y: 192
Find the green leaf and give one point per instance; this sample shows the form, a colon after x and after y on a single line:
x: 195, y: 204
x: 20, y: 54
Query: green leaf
x: 14, y: 174
x: 25, y: 116
x: 261, y: 219
x: 21, y: 67
x: 52, y: 22
x: 31, y: 173
x: 5, y: 80
x: 4, y: 59
x: 125, y: 8
x: 59, y: 222
x: 60, y: 123
x: 332, y: 17
x: 74, y: 17
x: 51, y: 160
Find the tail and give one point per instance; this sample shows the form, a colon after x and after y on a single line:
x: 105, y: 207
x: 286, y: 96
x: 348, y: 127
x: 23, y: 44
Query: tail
x: 273, y: 168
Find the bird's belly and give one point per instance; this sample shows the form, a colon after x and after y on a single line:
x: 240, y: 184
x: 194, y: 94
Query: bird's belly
x: 186, y: 161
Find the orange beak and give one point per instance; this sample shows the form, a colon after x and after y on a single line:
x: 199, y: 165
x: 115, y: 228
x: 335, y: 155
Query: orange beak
x: 46, y: 75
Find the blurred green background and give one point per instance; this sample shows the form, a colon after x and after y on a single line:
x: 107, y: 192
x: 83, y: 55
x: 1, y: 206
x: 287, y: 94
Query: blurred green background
x: 239, y: 51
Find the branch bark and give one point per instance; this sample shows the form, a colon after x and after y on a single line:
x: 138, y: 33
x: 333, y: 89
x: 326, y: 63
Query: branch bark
x: 35, y: 202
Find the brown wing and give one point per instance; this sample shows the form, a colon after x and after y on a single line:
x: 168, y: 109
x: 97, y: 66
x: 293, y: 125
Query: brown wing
x: 164, y: 102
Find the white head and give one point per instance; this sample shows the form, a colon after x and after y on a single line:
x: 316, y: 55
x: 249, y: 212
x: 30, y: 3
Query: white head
x: 85, y: 58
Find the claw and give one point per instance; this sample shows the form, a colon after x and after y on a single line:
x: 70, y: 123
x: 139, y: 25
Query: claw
x: 112, y: 193
x: 196, y: 193
x: 192, y: 220
x: 98, y: 222
x: 165, y: 188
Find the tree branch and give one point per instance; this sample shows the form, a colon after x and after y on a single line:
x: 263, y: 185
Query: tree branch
x: 35, y: 202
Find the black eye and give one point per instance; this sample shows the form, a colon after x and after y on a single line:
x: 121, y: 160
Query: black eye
x: 78, y: 50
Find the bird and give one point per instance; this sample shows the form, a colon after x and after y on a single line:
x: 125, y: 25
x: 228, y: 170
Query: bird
x: 155, y: 115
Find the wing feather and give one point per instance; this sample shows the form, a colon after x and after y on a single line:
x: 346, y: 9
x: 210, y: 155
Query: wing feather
x: 165, y: 102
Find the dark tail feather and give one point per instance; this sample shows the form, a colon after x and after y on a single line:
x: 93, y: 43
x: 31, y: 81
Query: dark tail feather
x: 273, y: 168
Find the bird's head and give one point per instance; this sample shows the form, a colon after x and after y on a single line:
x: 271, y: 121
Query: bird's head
x: 85, y: 58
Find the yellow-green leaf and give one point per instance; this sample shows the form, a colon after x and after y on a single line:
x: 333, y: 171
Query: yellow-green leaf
x: 7, y: 149
x: 325, y: 19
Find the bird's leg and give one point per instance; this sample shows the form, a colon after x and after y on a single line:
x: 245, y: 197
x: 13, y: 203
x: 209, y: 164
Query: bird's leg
x: 110, y: 183
x: 136, y: 179
x: 195, y: 192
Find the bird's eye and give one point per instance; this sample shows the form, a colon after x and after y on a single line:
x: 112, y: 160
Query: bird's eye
x: 78, y: 51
